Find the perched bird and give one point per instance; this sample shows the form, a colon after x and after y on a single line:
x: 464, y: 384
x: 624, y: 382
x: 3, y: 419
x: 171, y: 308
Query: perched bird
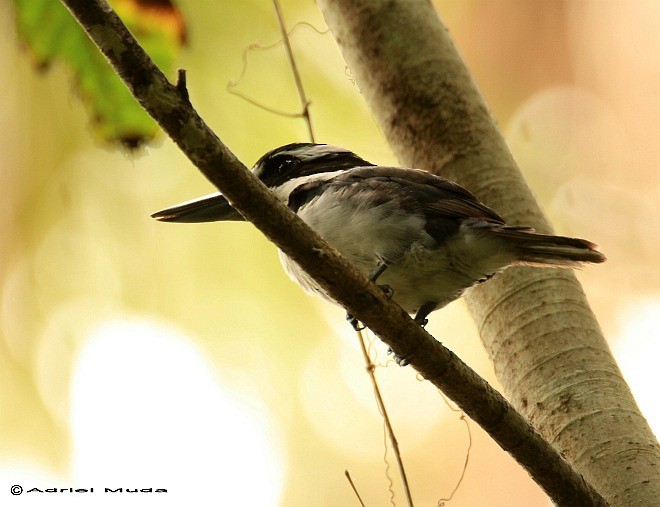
x: 424, y: 238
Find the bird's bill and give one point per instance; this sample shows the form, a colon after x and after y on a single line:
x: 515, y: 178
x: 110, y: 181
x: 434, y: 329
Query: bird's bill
x: 210, y: 208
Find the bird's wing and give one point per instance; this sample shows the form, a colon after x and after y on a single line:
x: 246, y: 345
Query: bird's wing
x: 445, y: 204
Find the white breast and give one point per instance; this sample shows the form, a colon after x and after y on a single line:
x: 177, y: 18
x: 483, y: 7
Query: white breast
x: 421, y: 269
x: 361, y: 232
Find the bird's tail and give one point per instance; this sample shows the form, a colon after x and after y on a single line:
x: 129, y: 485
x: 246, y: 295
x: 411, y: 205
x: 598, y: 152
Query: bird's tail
x: 532, y: 249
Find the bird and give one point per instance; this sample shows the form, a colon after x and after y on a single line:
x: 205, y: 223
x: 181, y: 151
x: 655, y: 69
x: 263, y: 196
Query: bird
x: 422, y: 238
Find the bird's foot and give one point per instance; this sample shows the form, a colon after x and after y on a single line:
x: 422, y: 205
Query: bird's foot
x: 354, y: 322
x: 422, y: 322
x: 400, y: 360
x: 389, y: 293
x: 424, y: 310
x: 387, y: 290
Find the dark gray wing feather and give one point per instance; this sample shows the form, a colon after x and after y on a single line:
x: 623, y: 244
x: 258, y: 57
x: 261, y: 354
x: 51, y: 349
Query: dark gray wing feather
x: 444, y: 204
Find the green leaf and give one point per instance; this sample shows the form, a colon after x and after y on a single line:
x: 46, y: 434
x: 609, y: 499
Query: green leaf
x: 52, y: 35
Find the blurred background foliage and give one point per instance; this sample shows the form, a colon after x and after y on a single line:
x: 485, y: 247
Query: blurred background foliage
x: 140, y: 354
x: 53, y: 36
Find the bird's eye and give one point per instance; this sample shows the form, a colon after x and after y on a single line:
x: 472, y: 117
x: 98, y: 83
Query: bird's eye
x: 285, y: 164
x: 276, y: 169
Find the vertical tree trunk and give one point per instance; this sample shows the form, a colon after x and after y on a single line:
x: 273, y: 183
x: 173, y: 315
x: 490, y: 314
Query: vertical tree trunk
x: 542, y: 337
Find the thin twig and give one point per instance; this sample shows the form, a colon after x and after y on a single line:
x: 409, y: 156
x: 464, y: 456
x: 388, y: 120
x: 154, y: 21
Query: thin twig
x: 233, y: 83
x: 388, y: 424
x: 388, y: 467
x: 350, y: 481
x: 441, y: 501
x: 294, y: 67
x: 258, y: 104
x: 257, y: 46
x: 369, y: 365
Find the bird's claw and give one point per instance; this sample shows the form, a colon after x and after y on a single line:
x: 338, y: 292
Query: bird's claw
x: 354, y: 322
x: 387, y: 290
x: 389, y: 293
x: 421, y: 322
x: 401, y: 361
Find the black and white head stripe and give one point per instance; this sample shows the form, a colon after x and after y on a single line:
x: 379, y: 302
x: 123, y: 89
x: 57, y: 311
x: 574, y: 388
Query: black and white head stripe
x: 304, y: 159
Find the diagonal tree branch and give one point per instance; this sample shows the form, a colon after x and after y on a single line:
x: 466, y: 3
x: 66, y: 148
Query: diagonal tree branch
x: 547, y: 348
x: 171, y: 109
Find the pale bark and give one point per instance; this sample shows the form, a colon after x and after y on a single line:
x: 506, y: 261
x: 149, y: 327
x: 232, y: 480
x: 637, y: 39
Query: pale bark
x: 547, y: 348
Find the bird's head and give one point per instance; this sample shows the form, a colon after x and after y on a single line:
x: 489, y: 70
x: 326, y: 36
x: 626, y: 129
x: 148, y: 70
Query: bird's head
x: 281, y: 170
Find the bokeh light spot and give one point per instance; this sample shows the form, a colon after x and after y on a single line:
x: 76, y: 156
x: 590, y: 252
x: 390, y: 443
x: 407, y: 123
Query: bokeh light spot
x: 148, y: 411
